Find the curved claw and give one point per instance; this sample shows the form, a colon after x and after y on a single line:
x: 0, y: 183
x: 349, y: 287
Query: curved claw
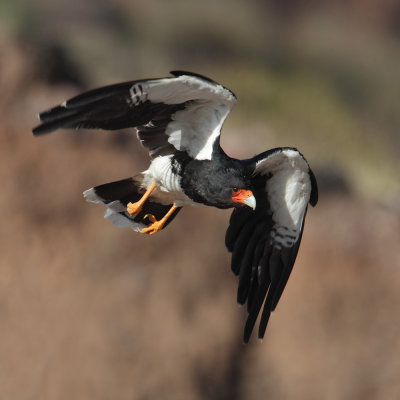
x: 156, y: 226
x: 150, y: 217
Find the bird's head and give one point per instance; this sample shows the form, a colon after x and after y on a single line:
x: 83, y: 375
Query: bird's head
x: 231, y: 196
x: 235, y: 191
x: 222, y: 183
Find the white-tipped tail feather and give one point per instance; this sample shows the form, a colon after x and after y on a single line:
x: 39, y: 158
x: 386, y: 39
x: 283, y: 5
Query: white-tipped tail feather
x: 115, y: 211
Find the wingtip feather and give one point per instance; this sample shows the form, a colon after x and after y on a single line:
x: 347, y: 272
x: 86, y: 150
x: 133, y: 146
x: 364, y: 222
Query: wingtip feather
x: 41, y: 129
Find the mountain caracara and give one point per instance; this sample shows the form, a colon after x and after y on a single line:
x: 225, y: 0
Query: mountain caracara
x: 179, y: 119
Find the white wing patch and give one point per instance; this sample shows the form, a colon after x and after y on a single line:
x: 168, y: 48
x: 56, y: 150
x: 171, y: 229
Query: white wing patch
x: 138, y: 95
x: 185, y: 88
x: 288, y: 190
x: 195, y: 128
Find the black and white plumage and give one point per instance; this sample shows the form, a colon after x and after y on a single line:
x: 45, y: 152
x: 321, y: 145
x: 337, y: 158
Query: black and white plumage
x: 179, y: 119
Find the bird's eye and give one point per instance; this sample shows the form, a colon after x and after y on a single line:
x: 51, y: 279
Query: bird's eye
x: 235, y: 189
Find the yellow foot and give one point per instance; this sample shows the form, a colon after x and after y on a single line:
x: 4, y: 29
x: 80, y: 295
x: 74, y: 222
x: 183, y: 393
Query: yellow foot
x: 134, y: 208
x: 155, y: 227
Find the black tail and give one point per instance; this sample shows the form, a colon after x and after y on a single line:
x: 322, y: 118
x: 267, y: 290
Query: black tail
x: 116, y: 195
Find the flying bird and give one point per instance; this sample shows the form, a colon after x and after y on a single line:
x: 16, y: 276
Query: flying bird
x: 179, y: 119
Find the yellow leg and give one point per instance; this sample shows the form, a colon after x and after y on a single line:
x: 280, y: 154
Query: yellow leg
x: 157, y: 225
x: 135, y: 208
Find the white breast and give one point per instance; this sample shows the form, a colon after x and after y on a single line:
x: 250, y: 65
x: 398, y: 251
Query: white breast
x: 168, y: 184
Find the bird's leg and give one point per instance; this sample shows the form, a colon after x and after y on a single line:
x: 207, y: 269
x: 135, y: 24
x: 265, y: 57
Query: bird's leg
x: 135, y: 208
x: 157, y: 225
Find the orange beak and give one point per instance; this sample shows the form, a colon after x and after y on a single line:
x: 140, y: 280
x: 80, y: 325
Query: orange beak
x: 245, y: 197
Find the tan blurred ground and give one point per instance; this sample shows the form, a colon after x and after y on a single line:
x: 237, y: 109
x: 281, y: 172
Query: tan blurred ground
x: 89, y: 311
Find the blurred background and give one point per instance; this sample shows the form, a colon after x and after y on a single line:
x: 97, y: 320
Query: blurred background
x: 91, y: 311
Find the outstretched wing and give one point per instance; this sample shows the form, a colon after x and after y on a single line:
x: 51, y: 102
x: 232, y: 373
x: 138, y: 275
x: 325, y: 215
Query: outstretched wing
x: 184, y: 112
x: 264, y: 242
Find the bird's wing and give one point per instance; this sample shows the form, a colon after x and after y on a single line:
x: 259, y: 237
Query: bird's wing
x: 264, y: 242
x: 184, y: 112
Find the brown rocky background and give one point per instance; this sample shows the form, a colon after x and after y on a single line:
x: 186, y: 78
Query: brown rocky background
x: 89, y: 311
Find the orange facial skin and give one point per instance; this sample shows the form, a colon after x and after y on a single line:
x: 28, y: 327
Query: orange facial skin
x: 244, y: 196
